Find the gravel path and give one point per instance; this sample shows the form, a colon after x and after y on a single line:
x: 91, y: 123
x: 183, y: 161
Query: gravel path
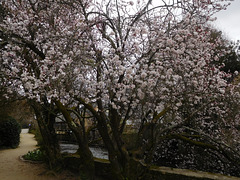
x: 12, y: 168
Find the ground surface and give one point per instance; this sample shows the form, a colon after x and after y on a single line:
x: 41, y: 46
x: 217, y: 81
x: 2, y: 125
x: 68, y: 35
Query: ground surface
x: 12, y: 168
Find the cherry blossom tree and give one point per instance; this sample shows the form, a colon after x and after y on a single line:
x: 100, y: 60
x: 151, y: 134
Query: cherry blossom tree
x: 37, y: 70
x: 125, y: 62
x: 23, y: 74
x: 162, y: 71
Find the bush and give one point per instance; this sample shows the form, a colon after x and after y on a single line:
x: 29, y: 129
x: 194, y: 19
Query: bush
x: 10, y: 131
x: 35, y: 155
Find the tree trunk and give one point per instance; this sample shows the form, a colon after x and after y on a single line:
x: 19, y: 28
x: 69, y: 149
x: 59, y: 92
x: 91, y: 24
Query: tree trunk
x: 88, y: 167
x: 46, y: 121
x: 121, y: 163
x: 86, y: 157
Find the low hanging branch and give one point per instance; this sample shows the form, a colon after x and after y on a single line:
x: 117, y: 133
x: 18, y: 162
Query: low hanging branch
x: 213, y: 140
x: 66, y: 114
x: 204, y: 145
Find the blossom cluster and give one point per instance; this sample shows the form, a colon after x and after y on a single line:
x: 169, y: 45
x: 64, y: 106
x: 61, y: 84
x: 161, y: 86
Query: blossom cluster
x: 132, y: 61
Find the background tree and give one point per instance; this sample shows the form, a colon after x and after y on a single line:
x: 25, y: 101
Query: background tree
x: 230, y: 60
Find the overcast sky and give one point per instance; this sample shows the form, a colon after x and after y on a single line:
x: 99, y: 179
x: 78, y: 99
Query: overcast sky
x: 229, y: 21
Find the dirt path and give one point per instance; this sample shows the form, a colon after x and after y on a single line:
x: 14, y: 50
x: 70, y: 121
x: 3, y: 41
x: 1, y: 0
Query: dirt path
x: 12, y: 168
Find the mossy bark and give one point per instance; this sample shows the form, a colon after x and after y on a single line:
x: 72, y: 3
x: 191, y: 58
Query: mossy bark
x: 121, y: 166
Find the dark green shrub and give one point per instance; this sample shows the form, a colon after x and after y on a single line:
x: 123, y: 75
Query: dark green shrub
x: 10, y: 131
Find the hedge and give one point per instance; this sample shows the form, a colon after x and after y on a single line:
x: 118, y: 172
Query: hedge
x: 10, y: 131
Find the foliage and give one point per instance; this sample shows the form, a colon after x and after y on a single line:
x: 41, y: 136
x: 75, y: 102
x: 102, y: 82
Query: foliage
x: 9, y: 132
x: 38, y: 137
x: 230, y: 61
x: 35, y: 155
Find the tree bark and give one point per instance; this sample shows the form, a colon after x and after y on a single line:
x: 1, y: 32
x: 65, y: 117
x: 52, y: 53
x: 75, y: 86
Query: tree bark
x: 86, y: 157
x: 46, y: 120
